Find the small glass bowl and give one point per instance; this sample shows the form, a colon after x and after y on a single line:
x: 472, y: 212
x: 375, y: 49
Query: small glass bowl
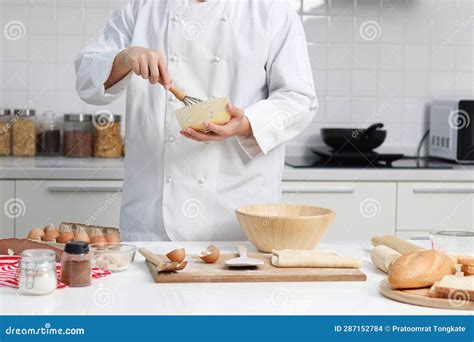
x: 460, y: 242
x: 114, y: 257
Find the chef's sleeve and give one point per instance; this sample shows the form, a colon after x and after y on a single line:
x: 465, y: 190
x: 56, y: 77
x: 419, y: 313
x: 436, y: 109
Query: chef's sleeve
x: 94, y: 63
x: 292, y: 102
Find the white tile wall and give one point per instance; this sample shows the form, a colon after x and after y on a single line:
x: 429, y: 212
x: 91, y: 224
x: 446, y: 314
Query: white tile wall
x: 410, y: 52
x: 373, y: 60
x: 38, y: 68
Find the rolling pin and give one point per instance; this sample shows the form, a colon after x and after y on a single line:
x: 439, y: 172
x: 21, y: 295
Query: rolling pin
x: 400, y: 246
x: 383, y: 257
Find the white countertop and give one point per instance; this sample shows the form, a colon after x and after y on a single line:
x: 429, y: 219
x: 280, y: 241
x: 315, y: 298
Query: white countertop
x: 134, y: 293
x: 112, y: 169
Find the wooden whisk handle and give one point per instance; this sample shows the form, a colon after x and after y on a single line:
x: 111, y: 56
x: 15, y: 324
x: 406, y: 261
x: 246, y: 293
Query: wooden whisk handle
x: 180, y: 95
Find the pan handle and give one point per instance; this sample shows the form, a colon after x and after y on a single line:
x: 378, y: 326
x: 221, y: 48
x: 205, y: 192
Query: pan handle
x: 371, y: 129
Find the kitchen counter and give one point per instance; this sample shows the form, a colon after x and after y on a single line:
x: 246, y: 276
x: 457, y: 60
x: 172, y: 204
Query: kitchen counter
x: 112, y: 169
x: 133, y: 293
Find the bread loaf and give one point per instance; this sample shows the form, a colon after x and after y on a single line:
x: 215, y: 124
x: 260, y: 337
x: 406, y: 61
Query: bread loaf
x: 420, y: 269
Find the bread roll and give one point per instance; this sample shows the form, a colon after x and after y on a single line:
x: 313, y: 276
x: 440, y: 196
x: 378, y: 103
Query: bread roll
x: 420, y: 269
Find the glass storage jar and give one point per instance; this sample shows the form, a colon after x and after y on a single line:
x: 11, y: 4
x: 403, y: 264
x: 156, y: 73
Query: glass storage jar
x: 48, y: 136
x: 76, y: 269
x: 24, y: 133
x: 78, y: 139
x: 38, y: 272
x: 107, y: 136
x: 5, y: 131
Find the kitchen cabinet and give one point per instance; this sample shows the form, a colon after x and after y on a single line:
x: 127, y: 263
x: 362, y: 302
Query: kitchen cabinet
x: 363, y: 209
x: 10, y: 208
x: 433, y: 205
x: 92, y: 202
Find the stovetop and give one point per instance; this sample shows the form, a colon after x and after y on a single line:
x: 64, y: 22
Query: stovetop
x: 325, y: 158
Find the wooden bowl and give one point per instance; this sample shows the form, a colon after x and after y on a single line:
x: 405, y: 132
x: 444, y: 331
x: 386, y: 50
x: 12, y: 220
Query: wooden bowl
x: 274, y: 226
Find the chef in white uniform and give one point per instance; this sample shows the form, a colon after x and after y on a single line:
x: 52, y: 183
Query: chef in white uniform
x: 186, y: 185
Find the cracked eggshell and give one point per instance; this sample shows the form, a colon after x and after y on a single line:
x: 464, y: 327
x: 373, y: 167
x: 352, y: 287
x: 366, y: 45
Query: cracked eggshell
x: 177, y: 255
x: 210, y: 255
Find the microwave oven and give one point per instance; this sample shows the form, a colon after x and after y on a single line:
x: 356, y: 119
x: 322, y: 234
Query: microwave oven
x: 452, y: 130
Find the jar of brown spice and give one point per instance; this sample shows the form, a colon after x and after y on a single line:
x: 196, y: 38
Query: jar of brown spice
x: 5, y: 132
x: 78, y: 139
x: 24, y: 133
x: 107, y: 136
x: 76, y: 269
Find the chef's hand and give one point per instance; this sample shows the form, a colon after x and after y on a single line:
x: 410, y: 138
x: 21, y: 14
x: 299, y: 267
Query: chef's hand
x: 237, y: 126
x: 147, y: 63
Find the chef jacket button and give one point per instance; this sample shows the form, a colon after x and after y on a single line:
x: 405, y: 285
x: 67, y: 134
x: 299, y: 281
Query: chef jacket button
x: 202, y: 181
x: 224, y: 18
x: 171, y: 139
x: 216, y: 59
x: 175, y: 18
x: 169, y: 180
x: 173, y: 58
x: 172, y: 98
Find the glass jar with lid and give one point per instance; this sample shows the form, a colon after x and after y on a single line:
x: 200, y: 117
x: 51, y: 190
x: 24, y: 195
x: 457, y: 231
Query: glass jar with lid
x: 78, y: 139
x: 5, y: 131
x: 76, y: 269
x: 107, y: 135
x: 24, y: 133
x: 38, y: 272
x: 48, y: 136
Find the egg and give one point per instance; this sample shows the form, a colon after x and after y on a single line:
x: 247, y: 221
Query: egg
x: 112, y: 236
x: 48, y: 227
x: 99, y: 240
x: 177, y: 255
x: 66, y: 237
x: 82, y: 236
x: 210, y: 255
x: 51, y: 235
x: 36, y: 234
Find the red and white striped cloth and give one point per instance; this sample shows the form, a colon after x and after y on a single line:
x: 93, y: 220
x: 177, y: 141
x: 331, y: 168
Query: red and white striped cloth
x: 9, y: 271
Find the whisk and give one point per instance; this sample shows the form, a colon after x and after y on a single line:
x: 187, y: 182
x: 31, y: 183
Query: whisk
x: 181, y: 95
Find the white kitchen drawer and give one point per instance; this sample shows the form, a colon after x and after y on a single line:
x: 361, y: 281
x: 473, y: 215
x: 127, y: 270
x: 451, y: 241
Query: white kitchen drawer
x: 363, y: 209
x: 10, y: 208
x: 93, y: 202
x: 426, y: 206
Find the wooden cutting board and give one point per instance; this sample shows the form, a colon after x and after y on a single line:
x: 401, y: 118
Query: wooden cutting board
x: 199, y: 272
x: 420, y: 297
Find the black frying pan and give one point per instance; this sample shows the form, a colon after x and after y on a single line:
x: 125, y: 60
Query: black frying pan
x: 354, y: 138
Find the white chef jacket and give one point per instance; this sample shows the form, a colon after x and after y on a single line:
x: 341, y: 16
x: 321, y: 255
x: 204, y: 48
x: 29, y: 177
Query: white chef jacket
x: 252, y: 51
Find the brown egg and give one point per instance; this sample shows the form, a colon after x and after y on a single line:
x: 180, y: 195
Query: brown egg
x: 177, y: 255
x: 100, y: 240
x: 66, y: 237
x: 82, y: 236
x: 48, y: 227
x: 36, y: 234
x: 210, y: 255
x: 112, y: 236
x: 51, y: 235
